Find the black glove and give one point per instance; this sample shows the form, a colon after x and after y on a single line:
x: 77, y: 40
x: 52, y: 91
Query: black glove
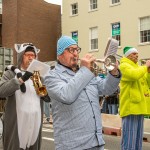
x: 22, y: 86
x: 19, y: 75
x: 26, y: 76
x: 13, y: 68
x: 46, y: 98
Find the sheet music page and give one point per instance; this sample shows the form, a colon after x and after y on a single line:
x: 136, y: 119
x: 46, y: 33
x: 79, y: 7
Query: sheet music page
x: 38, y: 66
x: 112, y: 47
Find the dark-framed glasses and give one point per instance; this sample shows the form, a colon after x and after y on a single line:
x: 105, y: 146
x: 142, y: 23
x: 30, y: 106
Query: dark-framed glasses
x: 72, y: 50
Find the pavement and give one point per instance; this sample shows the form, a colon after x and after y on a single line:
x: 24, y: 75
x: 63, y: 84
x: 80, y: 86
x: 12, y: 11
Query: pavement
x: 112, y: 126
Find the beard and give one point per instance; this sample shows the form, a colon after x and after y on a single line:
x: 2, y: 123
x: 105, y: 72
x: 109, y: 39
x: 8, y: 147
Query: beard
x: 75, y: 62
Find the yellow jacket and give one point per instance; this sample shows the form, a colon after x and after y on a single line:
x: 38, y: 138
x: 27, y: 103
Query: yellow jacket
x: 134, y: 87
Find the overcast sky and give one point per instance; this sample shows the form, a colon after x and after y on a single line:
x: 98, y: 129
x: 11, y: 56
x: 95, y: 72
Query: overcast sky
x: 59, y: 2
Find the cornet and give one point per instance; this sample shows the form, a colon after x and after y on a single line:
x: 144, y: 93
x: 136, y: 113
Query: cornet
x: 143, y: 61
x: 109, y: 63
x: 39, y: 87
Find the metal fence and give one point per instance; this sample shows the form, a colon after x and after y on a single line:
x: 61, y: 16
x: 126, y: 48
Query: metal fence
x: 6, y: 58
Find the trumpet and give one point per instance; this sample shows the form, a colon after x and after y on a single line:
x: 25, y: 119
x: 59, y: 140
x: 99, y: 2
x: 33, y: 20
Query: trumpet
x: 143, y: 61
x: 109, y: 63
x: 39, y: 87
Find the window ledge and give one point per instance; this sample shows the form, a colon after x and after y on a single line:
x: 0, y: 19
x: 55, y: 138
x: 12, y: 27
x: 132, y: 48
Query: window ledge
x: 74, y: 15
x: 93, y: 10
x: 116, y: 4
x: 93, y: 50
x: 145, y: 43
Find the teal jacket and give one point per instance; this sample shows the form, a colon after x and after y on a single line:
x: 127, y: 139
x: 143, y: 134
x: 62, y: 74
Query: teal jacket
x: 134, y: 89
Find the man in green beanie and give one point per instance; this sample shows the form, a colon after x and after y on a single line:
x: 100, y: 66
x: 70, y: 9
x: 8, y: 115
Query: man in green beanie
x: 133, y: 99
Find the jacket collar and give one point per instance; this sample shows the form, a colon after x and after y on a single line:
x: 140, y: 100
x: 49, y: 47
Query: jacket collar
x: 64, y: 69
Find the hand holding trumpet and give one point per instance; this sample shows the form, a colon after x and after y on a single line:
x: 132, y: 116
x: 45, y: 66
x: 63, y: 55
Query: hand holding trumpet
x: 148, y: 65
x: 87, y: 61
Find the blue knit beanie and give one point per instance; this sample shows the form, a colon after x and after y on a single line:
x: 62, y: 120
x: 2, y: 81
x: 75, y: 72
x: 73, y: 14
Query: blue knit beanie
x: 63, y: 43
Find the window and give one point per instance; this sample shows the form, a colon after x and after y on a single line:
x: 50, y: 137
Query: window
x: 93, y: 4
x: 145, y: 29
x: 75, y: 36
x: 94, y: 38
x: 116, y: 31
x: 74, y: 8
x: 115, y: 1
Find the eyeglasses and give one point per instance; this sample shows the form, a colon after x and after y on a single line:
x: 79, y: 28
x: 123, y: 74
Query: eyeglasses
x: 72, y: 50
x: 28, y: 44
x: 30, y: 55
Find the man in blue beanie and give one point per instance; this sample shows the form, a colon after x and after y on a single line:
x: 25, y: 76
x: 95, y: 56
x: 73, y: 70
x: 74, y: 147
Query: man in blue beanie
x: 75, y: 98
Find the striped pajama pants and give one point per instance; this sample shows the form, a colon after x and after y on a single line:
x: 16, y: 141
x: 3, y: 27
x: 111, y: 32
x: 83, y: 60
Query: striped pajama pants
x: 132, y: 132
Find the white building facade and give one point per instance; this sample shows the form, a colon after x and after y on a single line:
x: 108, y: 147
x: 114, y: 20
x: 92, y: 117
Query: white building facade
x: 91, y: 22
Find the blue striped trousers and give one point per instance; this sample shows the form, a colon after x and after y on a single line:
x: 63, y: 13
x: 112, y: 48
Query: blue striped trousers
x: 132, y: 132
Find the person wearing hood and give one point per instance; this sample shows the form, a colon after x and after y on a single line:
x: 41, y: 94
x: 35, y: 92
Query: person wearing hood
x: 134, y: 86
x: 22, y: 117
x: 74, y: 93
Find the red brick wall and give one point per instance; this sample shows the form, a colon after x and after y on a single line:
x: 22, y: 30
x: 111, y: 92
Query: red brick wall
x: 0, y: 29
x: 33, y: 21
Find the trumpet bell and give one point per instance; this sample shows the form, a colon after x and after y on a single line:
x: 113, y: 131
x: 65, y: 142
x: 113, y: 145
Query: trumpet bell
x: 41, y: 91
x: 110, y: 62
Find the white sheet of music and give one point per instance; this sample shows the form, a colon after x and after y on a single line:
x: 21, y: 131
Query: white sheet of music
x: 112, y: 47
x: 36, y: 65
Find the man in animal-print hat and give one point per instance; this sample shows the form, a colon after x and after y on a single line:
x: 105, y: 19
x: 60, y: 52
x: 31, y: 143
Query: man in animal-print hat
x: 23, y: 110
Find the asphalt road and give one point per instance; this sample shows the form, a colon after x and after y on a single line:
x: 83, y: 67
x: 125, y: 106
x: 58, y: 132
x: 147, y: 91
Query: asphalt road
x: 112, y: 142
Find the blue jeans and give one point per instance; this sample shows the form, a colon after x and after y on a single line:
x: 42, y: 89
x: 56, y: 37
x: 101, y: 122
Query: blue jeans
x: 46, y: 109
x: 113, y: 108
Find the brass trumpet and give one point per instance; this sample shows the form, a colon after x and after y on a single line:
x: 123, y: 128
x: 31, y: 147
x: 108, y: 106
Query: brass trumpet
x: 109, y: 63
x: 39, y: 87
x: 143, y: 61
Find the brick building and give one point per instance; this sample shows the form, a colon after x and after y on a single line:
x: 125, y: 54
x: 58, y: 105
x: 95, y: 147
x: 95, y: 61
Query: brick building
x: 0, y: 29
x: 34, y: 21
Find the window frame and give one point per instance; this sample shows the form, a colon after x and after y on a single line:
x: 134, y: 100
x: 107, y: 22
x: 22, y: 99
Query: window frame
x: 74, y: 11
x: 117, y: 36
x: 93, y: 42
x: 76, y: 35
x: 144, y: 34
x: 114, y: 2
x: 93, y: 5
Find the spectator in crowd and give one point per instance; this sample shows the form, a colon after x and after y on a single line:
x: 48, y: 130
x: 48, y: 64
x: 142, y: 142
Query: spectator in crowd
x: 22, y: 117
x: 104, y: 104
x: 75, y: 98
x: 46, y: 112
x: 132, y: 99
x: 113, y: 102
